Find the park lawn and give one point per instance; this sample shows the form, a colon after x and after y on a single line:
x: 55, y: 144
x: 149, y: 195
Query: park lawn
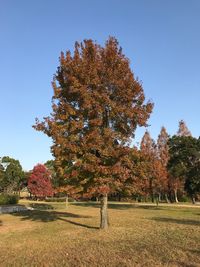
x: 139, y: 235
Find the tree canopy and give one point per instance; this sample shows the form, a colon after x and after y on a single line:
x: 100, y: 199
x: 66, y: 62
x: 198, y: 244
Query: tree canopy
x: 11, y: 174
x: 39, y: 182
x: 184, y: 162
x: 97, y: 106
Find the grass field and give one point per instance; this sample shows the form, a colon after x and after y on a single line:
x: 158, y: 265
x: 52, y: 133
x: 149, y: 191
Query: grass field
x: 139, y: 235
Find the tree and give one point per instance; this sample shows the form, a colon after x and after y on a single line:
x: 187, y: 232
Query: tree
x: 163, y: 148
x: 183, y: 129
x: 184, y: 162
x: 163, y: 155
x: 13, y: 175
x: 97, y: 105
x: 138, y: 182
x: 2, y: 178
x: 192, y: 182
x: 175, y: 182
x: 154, y: 167
x: 39, y: 182
x: 148, y: 148
x: 50, y: 165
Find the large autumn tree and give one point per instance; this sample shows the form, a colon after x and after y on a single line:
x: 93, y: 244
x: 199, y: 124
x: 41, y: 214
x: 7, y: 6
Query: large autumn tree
x: 97, y: 105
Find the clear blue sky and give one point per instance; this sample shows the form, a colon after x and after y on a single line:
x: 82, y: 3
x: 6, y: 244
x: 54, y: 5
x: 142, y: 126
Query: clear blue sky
x: 160, y: 37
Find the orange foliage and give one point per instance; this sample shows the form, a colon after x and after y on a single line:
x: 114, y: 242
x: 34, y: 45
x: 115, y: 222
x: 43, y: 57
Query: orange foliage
x: 97, y: 105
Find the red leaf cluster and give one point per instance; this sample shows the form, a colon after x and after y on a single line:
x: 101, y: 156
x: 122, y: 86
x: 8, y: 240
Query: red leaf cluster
x: 39, y: 182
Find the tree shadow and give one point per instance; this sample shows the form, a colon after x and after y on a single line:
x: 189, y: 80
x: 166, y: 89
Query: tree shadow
x: 41, y: 206
x: 79, y: 224
x: 1, y: 223
x: 195, y: 251
x: 50, y: 216
x: 182, y: 264
x: 177, y: 221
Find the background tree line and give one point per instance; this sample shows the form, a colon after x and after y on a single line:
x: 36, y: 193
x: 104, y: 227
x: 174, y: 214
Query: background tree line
x: 162, y: 170
x: 172, y: 165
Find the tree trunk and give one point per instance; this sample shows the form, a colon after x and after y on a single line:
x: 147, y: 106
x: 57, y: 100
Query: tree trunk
x: 175, y: 195
x: 104, y: 212
x: 158, y: 198
x: 67, y: 202
x: 151, y: 190
x: 193, y: 200
x: 167, y: 199
x: 157, y: 201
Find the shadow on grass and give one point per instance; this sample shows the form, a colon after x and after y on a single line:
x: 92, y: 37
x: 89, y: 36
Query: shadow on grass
x: 177, y: 221
x: 50, y: 216
x: 41, y: 206
x: 118, y: 206
x: 78, y: 224
x: 182, y: 264
x: 195, y: 251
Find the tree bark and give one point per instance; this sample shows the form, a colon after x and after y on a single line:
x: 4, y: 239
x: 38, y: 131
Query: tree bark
x: 158, y: 198
x: 193, y: 200
x: 151, y: 190
x: 175, y: 195
x: 104, y: 212
x: 157, y: 201
x: 152, y: 198
x: 167, y: 199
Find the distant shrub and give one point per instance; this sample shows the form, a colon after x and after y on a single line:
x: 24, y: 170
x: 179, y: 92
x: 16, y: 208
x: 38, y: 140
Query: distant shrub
x: 184, y: 199
x: 6, y: 199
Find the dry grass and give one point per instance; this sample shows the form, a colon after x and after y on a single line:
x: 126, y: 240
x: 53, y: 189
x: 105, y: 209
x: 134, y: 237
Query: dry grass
x: 138, y: 236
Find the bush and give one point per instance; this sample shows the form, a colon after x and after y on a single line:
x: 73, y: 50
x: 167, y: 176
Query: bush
x: 6, y: 199
x: 184, y: 199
